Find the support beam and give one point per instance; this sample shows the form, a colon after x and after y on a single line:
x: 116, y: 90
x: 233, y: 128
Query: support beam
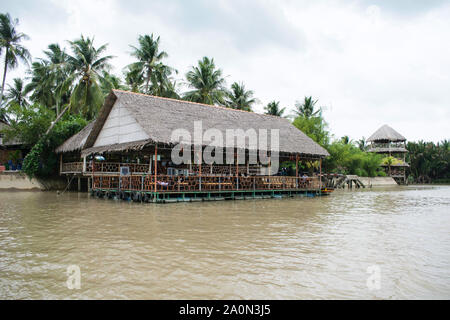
x: 320, y: 175
x: 84, y: 164
x: 156, y: 164
x: 60, y: 163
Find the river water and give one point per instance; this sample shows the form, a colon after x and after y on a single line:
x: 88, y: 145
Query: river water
x: 384, y: 243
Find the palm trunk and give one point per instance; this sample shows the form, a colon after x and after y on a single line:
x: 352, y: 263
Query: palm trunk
x: 57, y: 119
x: 4, y: 76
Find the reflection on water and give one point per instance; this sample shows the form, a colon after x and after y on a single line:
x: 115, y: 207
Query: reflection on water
x: 298, y: 248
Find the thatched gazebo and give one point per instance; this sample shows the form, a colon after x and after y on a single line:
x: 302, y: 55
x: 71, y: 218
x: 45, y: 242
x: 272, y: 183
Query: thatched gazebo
x: 133, y: 133
x: 392, y: 145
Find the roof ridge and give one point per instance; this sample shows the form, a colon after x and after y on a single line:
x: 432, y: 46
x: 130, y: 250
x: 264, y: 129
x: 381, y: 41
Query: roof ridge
x: 191, y: 102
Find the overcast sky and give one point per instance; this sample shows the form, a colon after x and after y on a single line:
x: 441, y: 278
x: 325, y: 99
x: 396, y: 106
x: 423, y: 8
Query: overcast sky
x: 368, y: 62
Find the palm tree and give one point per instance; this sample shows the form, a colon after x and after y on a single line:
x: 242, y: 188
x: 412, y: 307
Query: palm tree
x: 86, y: 66
x: 48, y: 79
x: 306, y: 108
x: 15, y: 94
x: 162, y: 83
x: 346, y: 140
x: 362, y: 144
x: 109, y: 82
x: 134, y: 78
x: 148, y: 56
x: 40, y: 86
x: 207, y: 83
x: 10, y: 41
x: 273, y: 108
x: 239, y: 98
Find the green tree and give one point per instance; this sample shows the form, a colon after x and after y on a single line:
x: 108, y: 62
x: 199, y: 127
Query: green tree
x: 86, y: 65
x: 15, y: 94
x: 362, y: 144
x: 207, y: 83
x: 134, y: 79
x: 40, y: 87
x: 28, y: 124
x: 273, y: 108
x: 306, y: 108
x: 109, y: 82
x: 315, y: 128
x: 148, y: 56
x: 162, y: 83
x: 239, y: 98
x: 346, y: 140
x: 11, y: 47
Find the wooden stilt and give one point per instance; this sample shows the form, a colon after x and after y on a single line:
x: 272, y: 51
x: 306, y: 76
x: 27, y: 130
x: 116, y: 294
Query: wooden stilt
x: 156, y: 163
x: 320, y: 175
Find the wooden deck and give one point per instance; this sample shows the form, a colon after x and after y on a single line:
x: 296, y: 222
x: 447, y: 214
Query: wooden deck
x: 142, y: 185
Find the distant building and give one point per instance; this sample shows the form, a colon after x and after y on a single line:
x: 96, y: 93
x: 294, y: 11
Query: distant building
x: 392, y: 145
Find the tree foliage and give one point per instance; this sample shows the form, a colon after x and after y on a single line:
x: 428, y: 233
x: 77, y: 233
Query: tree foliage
x: 207, y: 83
x: 240, y: 98
x: 273, y: 109
x: 429, y: 161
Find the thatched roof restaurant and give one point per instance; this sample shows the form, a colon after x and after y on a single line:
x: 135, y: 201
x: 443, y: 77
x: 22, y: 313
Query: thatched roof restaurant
x: 134, y: 130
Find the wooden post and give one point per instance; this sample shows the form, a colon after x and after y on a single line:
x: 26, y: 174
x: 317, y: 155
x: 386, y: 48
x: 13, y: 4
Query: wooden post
x: 156, y: 163
x: 296, y: 170
x: 237, y: 169
x: 320, y: 175
x: 84, y: 164
x: 60, y: 163
x: 200, y: 170
x: 93, y: 165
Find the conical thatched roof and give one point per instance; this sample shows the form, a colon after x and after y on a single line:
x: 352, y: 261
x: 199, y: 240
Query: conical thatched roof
x: 159, y: 117
x: 386, y: 133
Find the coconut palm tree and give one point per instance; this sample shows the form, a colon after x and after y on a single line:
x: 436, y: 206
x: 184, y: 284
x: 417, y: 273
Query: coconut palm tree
x: 40, y: 86
x: 162, y: 83
x: 86, y: 65
x: 148, y: 56
x: 207, y: 83
x: 273, y: 108
x: 109, y: 82
x: 134, y: 79
x: 306, y: 108
x: 346, y: 140
x: 239, y: 98
x: 11, y: 47
x: 362, y: 144
x: 16, y: 95
x: 48, y: 79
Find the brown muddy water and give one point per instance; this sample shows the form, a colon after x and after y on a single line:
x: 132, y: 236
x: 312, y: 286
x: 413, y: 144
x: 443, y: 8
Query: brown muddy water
x: 301, y: 248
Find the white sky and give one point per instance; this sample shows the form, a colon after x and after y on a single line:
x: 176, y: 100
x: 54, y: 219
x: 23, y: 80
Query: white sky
x: 368, y: 62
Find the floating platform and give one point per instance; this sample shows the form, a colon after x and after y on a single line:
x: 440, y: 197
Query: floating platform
x: 169, y: 197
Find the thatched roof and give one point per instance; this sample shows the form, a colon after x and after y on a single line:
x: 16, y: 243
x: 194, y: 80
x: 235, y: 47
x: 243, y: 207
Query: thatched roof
x: 159, y: 117
x: 386, y: 133
x: 77, y: 141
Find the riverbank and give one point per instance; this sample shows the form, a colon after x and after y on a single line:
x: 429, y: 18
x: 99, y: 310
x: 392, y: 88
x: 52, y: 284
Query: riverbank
x: 378, y: 181
x: 18, y: 181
